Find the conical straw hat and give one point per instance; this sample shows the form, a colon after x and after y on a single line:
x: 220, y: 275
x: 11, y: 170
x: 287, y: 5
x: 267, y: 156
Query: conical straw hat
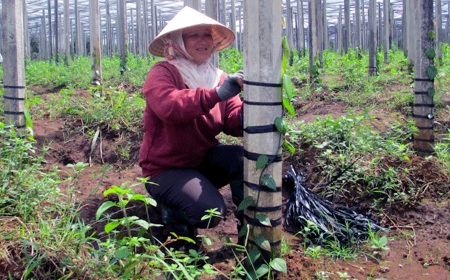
x: 188, y: 17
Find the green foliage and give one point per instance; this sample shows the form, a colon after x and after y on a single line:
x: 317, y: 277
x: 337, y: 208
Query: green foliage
x: 39, y: 221
x: 299, y: 70
x: 135, y: 255
x: 135, y: 73
x: 21, y: 170
x: 314, y: 251
x: 289, y: 94
x: 50, y: 74
x: 285, y: 56
x: 430, y: 53
x: 355, y: 71
x: 210, y: 214
x: 109, y: 111
x: 442, y: 151
x: 78, y: 74
x: 349, y: 152
x: 432, y: 72
x: 124, y: 195
x: 231, y: 60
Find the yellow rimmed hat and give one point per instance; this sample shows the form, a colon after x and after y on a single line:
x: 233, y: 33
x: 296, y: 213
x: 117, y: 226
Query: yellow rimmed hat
x: 188, y: 17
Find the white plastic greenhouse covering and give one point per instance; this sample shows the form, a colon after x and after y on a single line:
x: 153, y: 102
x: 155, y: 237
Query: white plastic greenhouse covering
x: 142, y: 27
x: 167, y: 8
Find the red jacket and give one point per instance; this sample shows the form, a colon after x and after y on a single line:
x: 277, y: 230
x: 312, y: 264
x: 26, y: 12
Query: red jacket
x: 181, y: 124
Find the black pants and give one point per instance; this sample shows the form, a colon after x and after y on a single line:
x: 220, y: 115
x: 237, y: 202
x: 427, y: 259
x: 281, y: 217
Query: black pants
x: 195, y: 190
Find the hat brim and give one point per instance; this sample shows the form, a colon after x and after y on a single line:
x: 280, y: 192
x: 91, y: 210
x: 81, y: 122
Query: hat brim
x: 188, y: 17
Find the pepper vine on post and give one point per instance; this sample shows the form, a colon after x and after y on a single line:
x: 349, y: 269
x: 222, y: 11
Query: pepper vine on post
x: 14, y: 94
x: 262, y: 141
x: 424, y: 75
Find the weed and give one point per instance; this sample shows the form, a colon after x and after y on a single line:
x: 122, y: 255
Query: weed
x: 21, y: 170
x: 322, y: 275
x: 442, y: 150
x: 314, y: 251
x: 350, y: 154
x: 134, y: 254
x: 231, y: 60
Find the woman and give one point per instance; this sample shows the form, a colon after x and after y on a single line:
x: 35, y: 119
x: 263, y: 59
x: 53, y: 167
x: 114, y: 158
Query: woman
x: 188, y: 103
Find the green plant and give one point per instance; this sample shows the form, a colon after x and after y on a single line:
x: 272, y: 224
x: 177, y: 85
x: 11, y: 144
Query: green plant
x: 125, y: 195
x: 322, y: 275
x: 349, y: 153
x: 231, y: 60
x: 132, y: 254
x: 379, y: 243
x: 21, y: 169
x: 336, y: 250
x: 39, y: 221
x: 285, y: 248
x: 78, y: 74
x: 442, y: 151
x: 210, y: 214
x: 313, y: 251
x: 256, y: 265
x: 108, y: 112
x: 344, y: 275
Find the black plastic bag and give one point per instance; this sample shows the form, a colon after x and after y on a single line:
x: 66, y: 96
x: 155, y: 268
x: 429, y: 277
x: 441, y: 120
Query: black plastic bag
x: 306, y: 209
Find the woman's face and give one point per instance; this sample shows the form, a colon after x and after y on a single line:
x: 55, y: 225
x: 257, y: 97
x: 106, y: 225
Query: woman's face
x: 198, y: 42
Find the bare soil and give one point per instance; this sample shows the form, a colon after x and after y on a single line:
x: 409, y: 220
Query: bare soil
x: 419, y: 237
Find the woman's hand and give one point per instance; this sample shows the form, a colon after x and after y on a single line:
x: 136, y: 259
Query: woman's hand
x: 231, y: 86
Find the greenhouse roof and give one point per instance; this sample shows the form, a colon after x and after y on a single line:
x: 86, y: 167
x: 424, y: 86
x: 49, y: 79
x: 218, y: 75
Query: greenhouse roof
x: 167, y: 8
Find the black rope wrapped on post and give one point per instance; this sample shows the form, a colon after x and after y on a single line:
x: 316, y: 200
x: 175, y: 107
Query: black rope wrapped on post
x: 333, y: 221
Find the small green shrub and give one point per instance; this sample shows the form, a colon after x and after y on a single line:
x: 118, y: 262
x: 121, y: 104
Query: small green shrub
x: 442, y: 150
x: 358, y: 162
x: 231, y: 60
x: 24, y: 185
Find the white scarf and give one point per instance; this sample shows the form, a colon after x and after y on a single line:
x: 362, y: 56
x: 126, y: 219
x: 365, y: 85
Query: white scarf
x: 205, y: 75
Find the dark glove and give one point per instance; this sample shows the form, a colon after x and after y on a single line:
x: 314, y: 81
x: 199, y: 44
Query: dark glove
x: 231, y: 86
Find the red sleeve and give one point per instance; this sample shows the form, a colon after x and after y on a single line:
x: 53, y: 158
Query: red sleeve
x: 171, y: 100
x: 234, y: 117
x: 233, y: 122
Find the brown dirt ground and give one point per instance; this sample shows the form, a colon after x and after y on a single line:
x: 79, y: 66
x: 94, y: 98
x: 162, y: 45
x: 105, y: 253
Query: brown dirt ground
x: 419, y: 238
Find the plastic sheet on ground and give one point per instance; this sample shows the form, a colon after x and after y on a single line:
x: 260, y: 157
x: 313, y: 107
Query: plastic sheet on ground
x: 323, y: 219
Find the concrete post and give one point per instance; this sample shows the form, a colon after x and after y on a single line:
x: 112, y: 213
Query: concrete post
x: 346, y: 34
x: 386, y: 6
x: 424, y: 80
x: 212, y: 10
x: 66, y: 32
x: 262, y: 105
x: 372, y: 35
x: 122, y: 34
x: 289, y: 26
x: 439, y: 36
x: 13, y: 63
x: 95, y: 43
x: 357, y: 25
x: 300, y: 27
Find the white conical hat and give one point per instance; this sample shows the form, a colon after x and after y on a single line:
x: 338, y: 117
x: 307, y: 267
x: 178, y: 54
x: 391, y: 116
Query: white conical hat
x: 188, y: 17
